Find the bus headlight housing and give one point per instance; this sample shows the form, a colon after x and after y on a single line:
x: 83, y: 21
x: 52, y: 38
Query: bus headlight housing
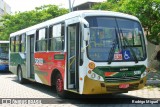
x: 95, y: 76
x: 143, y: 74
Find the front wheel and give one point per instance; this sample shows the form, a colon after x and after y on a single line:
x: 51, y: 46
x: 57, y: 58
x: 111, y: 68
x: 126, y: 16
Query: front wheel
x: 20, y: 76
x: 60, y: 87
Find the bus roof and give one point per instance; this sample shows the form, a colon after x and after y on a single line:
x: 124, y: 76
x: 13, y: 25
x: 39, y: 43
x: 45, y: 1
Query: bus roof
x: 4, y: 42
x: 81, y: 13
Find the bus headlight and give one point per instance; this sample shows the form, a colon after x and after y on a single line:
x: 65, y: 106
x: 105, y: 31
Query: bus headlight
x: 94, y: 76
x: 143, y: 74
x: 99, y: 77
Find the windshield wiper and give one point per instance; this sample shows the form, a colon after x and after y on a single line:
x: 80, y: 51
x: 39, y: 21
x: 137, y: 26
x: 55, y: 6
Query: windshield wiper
x: 111, y: 53
x: 126, y: 43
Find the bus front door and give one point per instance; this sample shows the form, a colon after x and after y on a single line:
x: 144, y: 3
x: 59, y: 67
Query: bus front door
x: 30, y: 56
x: 73, y: 57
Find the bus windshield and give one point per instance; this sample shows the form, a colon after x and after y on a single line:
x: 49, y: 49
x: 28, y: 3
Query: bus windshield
x: 4, y: 48
x: 115, y: 39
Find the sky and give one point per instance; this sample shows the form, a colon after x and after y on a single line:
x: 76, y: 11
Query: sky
x: 26, y: 5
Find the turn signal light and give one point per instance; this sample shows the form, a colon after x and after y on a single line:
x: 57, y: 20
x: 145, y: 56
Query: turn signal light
x: 81, y: 78
x: 89, y: 72
x: 91, y: 65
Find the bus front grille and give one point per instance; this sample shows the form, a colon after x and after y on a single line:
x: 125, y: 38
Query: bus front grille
x: 127, y: 78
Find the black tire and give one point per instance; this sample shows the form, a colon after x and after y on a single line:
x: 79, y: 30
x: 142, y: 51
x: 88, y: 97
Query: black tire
x: 158, y: 56
x: 20, y: 76
x: 60, y: 86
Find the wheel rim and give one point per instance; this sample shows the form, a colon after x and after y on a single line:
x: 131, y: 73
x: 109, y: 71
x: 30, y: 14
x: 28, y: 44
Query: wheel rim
x: 59, y: 85
x: 19, y: 75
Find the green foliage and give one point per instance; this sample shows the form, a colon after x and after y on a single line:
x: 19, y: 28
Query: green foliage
x: 148, y: 11
x: 21, y: 20
x: 110, y: 5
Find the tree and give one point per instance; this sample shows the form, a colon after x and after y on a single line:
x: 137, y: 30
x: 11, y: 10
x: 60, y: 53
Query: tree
x: 109, y: 5
x: 148, y: 11
x: 21, y: 20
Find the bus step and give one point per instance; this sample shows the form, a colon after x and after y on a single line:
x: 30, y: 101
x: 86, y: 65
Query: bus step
x: 71, y: 86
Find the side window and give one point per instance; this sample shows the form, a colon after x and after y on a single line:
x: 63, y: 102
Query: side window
x: 12, y: 44
x: 22, y: 43
x: 17, y: 43
x: 41, y: 40
x: 56, y: 37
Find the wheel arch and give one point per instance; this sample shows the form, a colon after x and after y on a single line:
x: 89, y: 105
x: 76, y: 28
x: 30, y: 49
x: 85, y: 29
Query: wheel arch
x: 55, y: 72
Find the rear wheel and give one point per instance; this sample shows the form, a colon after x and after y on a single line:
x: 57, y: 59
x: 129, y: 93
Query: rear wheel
x: 60, y: 86
x: 20, y: 76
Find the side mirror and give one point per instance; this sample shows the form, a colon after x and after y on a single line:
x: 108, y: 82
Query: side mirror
x: 86, y: 34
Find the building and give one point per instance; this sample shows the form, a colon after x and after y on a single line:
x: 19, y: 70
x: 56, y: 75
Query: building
x: 84, y: 6
x: 4, y: 8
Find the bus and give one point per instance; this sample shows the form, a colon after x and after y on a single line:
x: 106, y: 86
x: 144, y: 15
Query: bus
x: 85, y: 52
x: 4, y: 55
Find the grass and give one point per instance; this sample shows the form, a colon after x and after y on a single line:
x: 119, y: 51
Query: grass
x: 151, y: 87
x: 158, y: 85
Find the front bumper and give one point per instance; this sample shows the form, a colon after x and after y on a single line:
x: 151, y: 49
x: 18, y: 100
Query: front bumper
x: 4, y: 68
x: 98, y: 87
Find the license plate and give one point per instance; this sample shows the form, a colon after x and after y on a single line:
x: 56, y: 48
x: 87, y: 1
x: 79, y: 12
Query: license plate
x: 123, y: 85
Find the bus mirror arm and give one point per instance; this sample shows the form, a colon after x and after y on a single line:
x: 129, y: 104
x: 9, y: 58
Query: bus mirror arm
x: 83, y: 49
x: 84, y: 21
x: 86, y: 32
x: 86, y: 29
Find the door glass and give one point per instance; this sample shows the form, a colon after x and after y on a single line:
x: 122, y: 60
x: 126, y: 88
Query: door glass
x: 72, y: 53
x: 32, y: 56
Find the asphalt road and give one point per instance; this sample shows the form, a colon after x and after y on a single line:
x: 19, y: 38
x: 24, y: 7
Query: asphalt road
x: 12, y: 90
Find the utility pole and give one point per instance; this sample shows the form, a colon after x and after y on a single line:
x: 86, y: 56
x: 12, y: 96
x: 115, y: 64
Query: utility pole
x: 71, y: 5
x: 70, y: 8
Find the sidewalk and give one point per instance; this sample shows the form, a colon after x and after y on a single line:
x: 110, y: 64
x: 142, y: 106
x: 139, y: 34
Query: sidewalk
x: 10, y: 88
x: 153, y: 78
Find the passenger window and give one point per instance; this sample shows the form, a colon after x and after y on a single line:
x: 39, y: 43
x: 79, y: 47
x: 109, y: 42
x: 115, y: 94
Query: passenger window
x: 12, y: 44
x: 41, y: 40
x: 23, y: 43
x: 17, y: 43
x: 56, y: 37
